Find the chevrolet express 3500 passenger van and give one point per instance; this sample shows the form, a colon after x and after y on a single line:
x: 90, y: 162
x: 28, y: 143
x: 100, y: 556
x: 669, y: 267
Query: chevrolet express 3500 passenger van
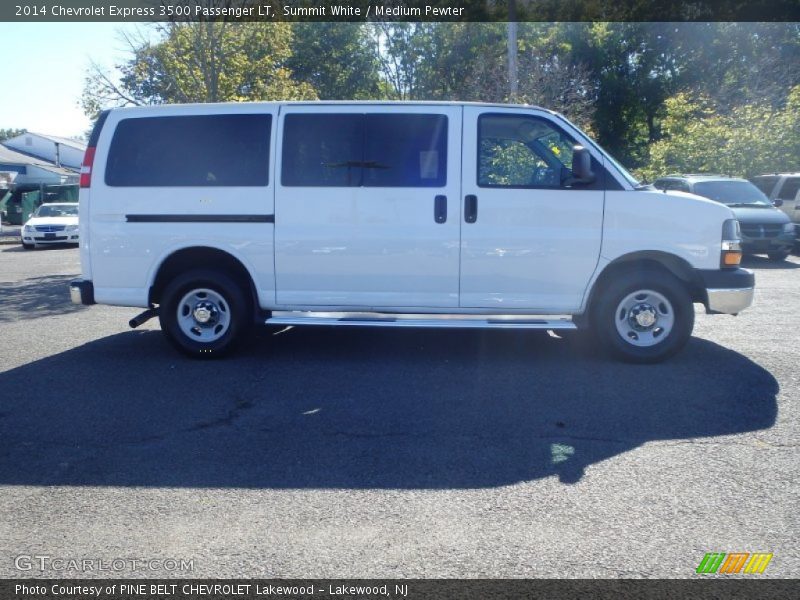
x: 217, y: 216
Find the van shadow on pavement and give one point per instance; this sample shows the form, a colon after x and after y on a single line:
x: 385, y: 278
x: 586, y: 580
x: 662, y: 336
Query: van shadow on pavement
x: 753, y: 261
x: 36, y: 297
x: 350, y: 408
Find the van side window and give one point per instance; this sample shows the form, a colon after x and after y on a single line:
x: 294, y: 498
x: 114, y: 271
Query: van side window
x: 522, y: 151
x: 322, y: 150
x: 200, y: 150
x: 789, y: 188
x: 369, y: 150
x: 765, y: 184
x: 405, y: 150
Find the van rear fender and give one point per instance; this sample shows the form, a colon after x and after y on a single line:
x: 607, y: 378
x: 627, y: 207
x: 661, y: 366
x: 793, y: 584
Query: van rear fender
x: 205, y: 257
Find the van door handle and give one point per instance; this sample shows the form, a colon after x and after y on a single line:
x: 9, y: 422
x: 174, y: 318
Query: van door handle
x: 470, y: 208
x: 440, y: 209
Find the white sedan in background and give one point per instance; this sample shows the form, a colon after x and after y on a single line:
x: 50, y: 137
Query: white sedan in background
x: 55, y: 223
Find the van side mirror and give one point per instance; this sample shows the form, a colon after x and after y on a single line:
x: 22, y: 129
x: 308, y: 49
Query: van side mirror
x: 777, y: 203
x: 582, y: 173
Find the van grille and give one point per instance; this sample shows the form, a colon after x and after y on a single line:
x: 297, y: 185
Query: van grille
x: 766, y: 230
x: 50, y: 228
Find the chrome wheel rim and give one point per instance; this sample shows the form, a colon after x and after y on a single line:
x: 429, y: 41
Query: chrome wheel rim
x: 644, y: 318
x: 204, y: 315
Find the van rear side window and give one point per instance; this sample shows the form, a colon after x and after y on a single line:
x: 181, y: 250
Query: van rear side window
x: 789, y: 188
x: 364, y: 150
x: 405, y: 151
x: 202, y: 151
x: 322, y: 150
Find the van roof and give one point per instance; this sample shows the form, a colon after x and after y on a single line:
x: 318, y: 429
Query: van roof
x: 795, y: 174
x: 338, y: 103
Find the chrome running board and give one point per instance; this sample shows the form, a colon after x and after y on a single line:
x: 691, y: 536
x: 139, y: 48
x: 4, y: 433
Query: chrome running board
x: 435, y: 321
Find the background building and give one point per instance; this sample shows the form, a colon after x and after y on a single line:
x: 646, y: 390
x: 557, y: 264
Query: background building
x: 61, y: 152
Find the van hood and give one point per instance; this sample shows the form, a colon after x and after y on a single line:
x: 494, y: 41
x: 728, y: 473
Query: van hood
x: 752, y: 215
x: 696, y: 198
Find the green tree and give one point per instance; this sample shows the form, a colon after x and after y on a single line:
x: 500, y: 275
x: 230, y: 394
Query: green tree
x: 401, y: 51
x: 6, y: 134
x: 742, y: 63
x: 633, y: 67
x: 744, y: 141
x: 455, y: 59
x: 201, y: 62
x: 467, y: 61
x: 338, y: 60
x: 636, y: 67
x: 548, y: 75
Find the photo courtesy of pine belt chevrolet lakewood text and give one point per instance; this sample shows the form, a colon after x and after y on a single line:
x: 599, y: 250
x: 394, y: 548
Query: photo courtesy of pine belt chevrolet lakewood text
x: 216, y: 217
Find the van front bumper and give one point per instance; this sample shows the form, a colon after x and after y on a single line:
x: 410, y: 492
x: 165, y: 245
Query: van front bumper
x: 81, y: 291
x: 729, y: 291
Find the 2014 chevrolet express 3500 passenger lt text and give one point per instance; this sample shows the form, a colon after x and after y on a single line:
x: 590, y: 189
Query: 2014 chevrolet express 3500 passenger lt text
x: 217, y: 216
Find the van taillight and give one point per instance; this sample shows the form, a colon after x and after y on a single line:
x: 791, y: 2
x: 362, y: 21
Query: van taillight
x: 86, y: 167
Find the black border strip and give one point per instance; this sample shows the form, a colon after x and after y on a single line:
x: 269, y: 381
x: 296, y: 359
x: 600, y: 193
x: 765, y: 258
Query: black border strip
x: 200, y: 218
x: 269, y: 11
x: 733, y: 588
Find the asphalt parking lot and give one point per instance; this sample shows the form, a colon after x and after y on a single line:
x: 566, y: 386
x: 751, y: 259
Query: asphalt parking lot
x: 392, y: 453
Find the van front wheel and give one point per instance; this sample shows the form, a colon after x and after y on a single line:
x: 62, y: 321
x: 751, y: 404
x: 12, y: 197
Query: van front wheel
x: 645, y: 320
x: 203, y: 313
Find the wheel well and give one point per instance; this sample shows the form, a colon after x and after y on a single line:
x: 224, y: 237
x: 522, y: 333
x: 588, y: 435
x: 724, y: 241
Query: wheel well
x: 211, y: 258
x: 641, y: 262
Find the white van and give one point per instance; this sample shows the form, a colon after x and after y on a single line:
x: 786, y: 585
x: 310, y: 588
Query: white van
x: 218, y: 216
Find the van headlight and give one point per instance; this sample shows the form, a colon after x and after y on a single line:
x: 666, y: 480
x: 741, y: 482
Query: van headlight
x: 731, y: 255
x: 28, y: 229
x: 71, y: 228
x: 788, y: 228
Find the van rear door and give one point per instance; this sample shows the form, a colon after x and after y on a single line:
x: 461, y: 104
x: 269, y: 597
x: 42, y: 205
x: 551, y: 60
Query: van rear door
x: 367, y: 206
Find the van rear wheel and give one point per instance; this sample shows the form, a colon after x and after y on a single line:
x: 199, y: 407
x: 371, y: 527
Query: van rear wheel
x: 644, y: 320
x: 203, y: 313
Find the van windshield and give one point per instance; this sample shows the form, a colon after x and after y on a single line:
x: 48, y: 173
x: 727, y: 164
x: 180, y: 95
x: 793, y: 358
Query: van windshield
x: 732, y: 192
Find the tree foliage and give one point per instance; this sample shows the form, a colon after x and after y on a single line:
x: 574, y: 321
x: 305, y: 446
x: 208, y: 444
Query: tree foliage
x: 7, y: 134
x: 644, y: 90
x: 747, y: 140
x: 337, y: 60
x: 201, y: 62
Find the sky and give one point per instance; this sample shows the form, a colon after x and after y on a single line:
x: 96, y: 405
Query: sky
x: 43, y: 69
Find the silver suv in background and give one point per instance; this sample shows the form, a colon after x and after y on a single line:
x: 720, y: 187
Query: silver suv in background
x: 765, y: 229
x: 783, y: 189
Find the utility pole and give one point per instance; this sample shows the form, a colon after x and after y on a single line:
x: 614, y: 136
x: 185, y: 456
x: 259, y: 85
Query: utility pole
x: 513, y: 75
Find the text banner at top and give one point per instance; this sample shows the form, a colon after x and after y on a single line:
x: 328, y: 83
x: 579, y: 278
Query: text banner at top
x: 391, y: 10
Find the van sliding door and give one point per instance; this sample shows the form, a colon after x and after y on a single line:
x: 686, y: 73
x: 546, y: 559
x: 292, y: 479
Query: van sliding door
x: 367, y: 206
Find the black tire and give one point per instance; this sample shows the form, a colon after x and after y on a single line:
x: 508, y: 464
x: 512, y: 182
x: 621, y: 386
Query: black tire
x: 609, y: 316
x: 231, y: 302
x: 28, y: 246
x: 779, y: 256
